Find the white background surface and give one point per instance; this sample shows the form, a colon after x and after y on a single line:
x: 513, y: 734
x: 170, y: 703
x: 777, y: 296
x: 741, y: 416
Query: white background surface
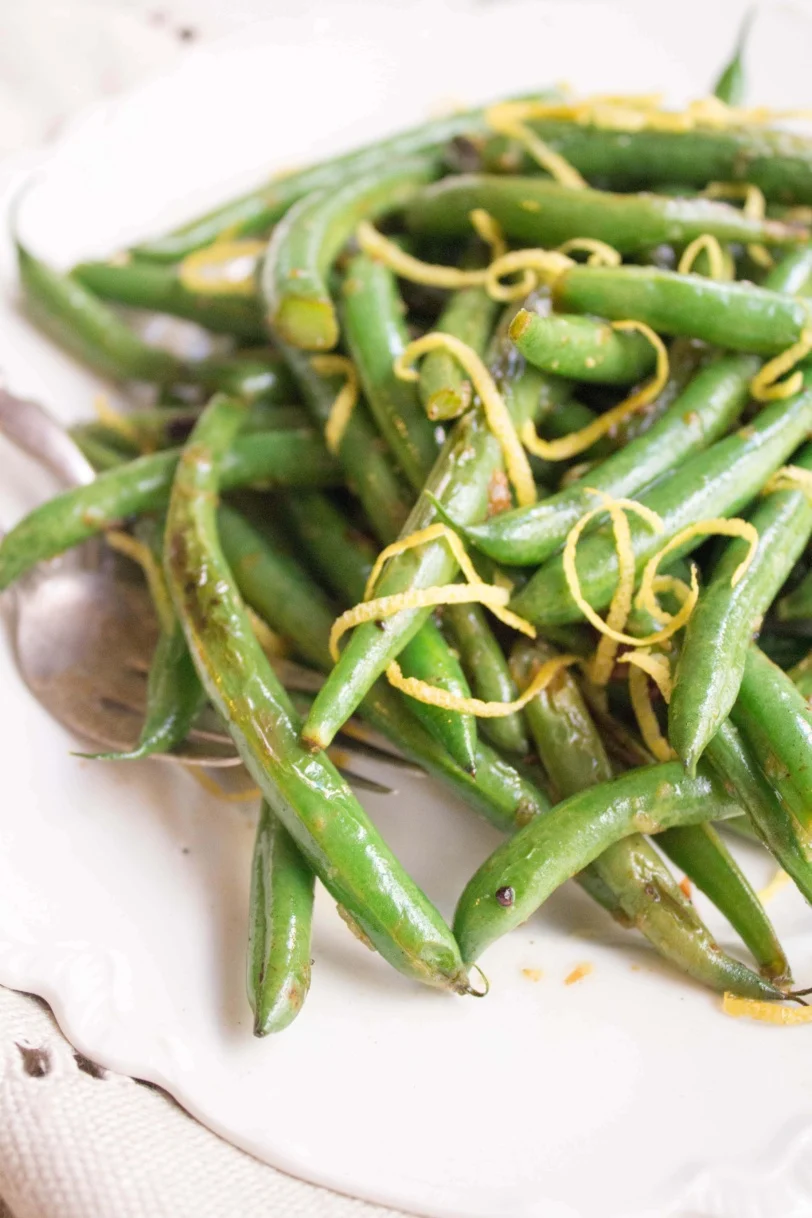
x: 451, y: 1108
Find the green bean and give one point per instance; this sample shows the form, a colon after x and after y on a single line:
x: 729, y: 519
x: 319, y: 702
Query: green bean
x: 739, y: 316
x: 387, y: 506
x: 797, y: 604
x: 307, y: 241
x: 260, y: 377
x: 444, y: 389
x: 375, y: 331
x: 175, y: 698
x: 160, y: 288
x: 99, y: 450
x: 573, y: 754
x: 459, y: 484
x: 686, y: 358
x: 775, y: 825
x: 705, y: 859
x: 575, y: 758
x: 83, y: 325
x: 720, y: 629
x: 793, y: 273
x: 801, y: 676
x: 271, y: 582
x: 280, y: 924
x: 367, y: 469
x: 776, y: 722
x: 487, y: 670
x: 730, y: 86
x: 522, y: 872
x: 582, y: 348
x: 280, y: 458
x: 539, y: 212
x: 717, y: 482
x: 776, y: 161
x: 700, y: 415
x: 256, y: 212
x: 307, y: 793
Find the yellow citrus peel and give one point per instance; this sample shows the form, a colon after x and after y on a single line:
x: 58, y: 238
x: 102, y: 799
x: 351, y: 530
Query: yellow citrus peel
x: 136, y: 550
x: 639, y: 113
x: 413, y: 269
x: 503, y: 120
x: 642, y: 665
x: 489, y: 231
x: 268, y: 639
x: 578, y: 441
x: 213, y: 787
x: 422, y: 691
x: 475, y: 591
x: 790, y: 478
x: 733, y: 527
x: 224, y: 268
x: 765, y: 385
x: 600, y: 253
x: 755, y: 208
x: 675, y: 623
x: 719, y: 263
x: 496, y: 412
x: 346, y: 399
x: 538, y: 265
x: 765, y: 1012
x: 118, y: 422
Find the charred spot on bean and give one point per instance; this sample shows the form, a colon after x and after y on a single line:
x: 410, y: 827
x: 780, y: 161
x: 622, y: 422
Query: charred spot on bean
x: 505, y: 896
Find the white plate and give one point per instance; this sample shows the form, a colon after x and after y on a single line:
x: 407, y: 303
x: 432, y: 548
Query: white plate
x: 123, y: 890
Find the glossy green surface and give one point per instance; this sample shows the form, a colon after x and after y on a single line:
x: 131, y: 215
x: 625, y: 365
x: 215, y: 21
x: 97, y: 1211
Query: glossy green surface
x: 700, y: 415
x: 307, y: 241
x: 718, y: 482
x: 739, y: 316
x: 721, y: 627
x: 273, y: 459
x: 280, y: 920
x: 144, y: 285
x: 536, y: 211
x: 306, y: 792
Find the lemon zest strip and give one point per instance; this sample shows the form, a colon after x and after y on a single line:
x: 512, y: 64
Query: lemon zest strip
x: 489, y: 231
x: 213, y: 787
x: 765, y: 1012
x: 432, y: 532
x: 408, y: 267
x: 790, y: 478
x: 600, y: 252
x: 474, y: 591
x: 765, y: 385
x: 271, y: 643
x: 646, y: 718
x: 234, y: 264
x: 496, y: 412
x: 346, y: 399
x: 538, y: 265
x: 118, y: 422
x: 755, y: 208
x: 574, y: 584
x: 430, y: 694
x: 132, y: 548
x: 717, y: 262
x: 733, y: 527
x: 503, y: 120
x: 424, y: 598
x: 578, y: 441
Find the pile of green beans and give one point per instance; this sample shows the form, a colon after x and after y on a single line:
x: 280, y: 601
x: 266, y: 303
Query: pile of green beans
x: 250, y: 503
